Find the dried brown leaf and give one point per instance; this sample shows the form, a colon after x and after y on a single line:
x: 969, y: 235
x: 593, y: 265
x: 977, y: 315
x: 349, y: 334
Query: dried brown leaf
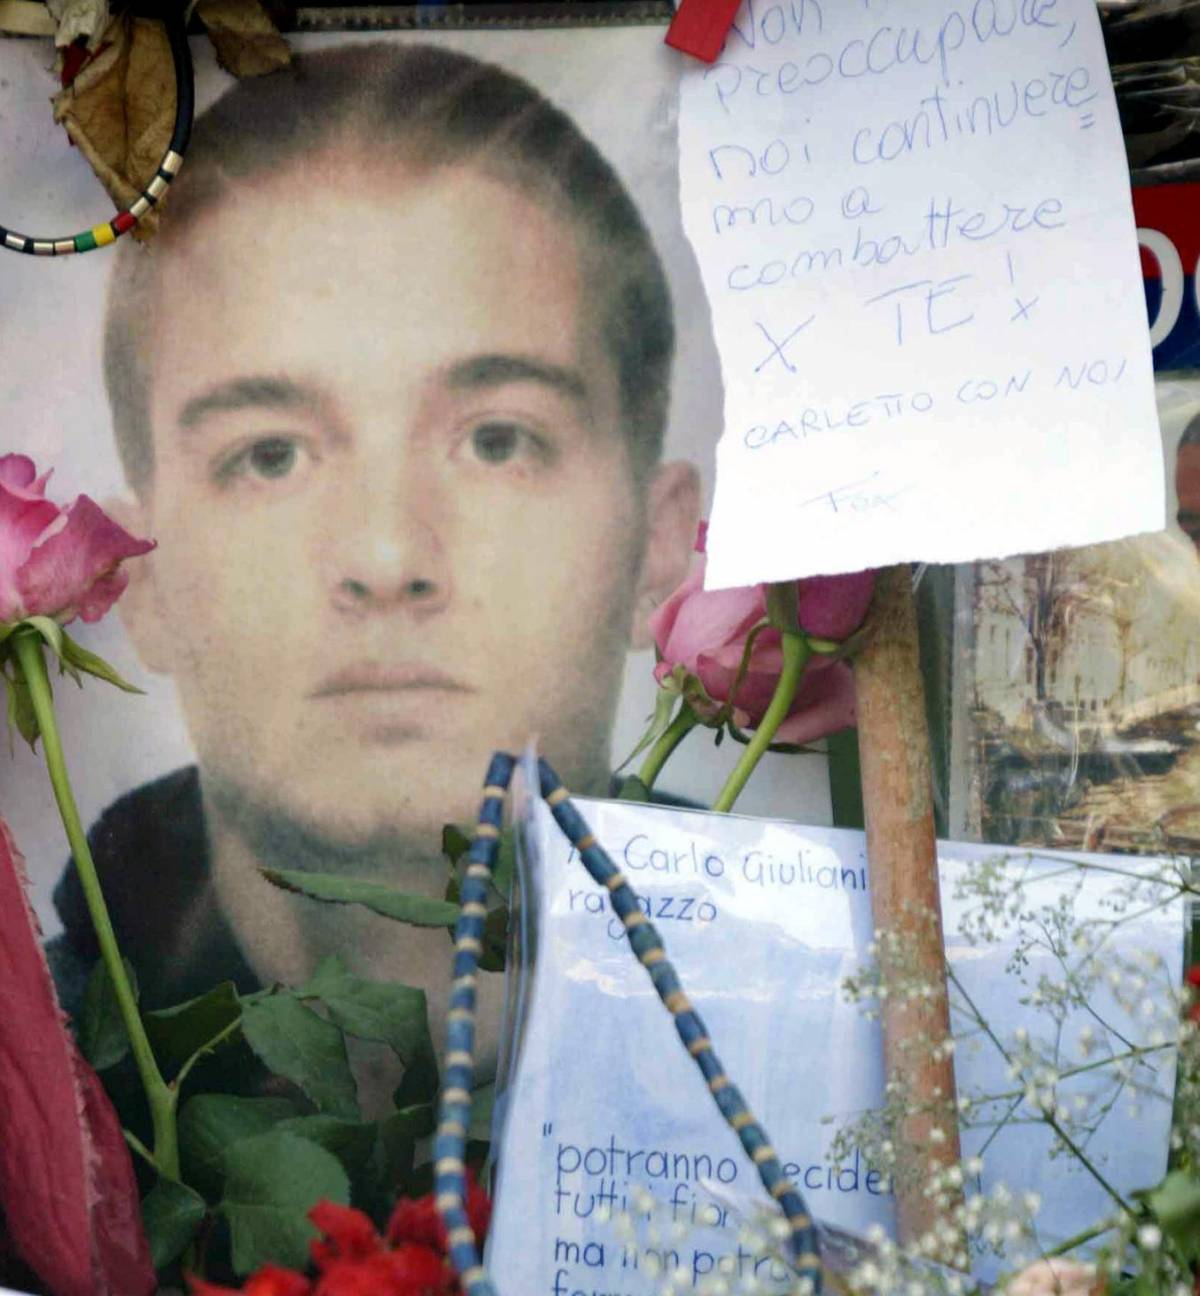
x: 120, y: 109
x: 246, y: 40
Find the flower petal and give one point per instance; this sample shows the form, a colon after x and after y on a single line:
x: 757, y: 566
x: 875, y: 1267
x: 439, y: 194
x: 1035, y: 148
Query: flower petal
x: 416, y: 1220
x: 71, y: 573
x: 19, y: 475
x: 833, y: 607
x: 695, y: 620
x: 825, y: 704
x: 67, y: 1185
x: 349, y: 1233
x: 23, y: 520
x: 17, y: 472
x: 662, y: 619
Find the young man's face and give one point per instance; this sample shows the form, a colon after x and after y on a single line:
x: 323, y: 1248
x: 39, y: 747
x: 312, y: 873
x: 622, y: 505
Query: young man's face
x: 396, y: 518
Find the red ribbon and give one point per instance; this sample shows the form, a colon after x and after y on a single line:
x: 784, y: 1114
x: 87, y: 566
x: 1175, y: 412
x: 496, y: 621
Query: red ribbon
x: 699, y: 27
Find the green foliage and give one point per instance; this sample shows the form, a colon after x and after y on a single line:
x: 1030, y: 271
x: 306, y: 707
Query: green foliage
x: 455, y: 844
x: 352, y: 1142
x: 665, y: 702
x: 294, y: 1042
x: 171, y: 1213
x: 420, y: 1081
x: 180, y: 1033
x: 271, y: 1183
x: 75, y: 658
x: 261, y: 1162
x: 633, y: 789
x: 420, y: 911
x: 1176, y: 1206
x: 210, y: 1124
x: 387, y: 1011
x: 103, y: 1039
x: 20, y: 705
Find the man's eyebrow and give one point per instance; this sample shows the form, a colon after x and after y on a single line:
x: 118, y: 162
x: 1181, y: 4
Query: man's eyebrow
x: 496, y: 370
x: 254, y: 392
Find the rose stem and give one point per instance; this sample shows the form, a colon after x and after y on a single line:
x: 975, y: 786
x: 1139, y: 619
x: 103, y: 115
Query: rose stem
x: 160, y: 1096
x: 671, y: 737
x: 796, y: 652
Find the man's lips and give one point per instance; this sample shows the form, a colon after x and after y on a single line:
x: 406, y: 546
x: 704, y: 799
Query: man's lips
x: 370, y: 677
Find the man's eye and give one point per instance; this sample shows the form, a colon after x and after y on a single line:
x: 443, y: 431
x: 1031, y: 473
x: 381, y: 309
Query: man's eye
x: 497, y: 442
x: 502, y: 441
x: 268, y: 459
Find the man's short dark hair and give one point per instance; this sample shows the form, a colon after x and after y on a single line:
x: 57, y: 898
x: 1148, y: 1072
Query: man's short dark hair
x: 422, y: 107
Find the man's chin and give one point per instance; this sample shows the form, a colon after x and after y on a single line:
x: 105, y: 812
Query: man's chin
x: 317, y: 834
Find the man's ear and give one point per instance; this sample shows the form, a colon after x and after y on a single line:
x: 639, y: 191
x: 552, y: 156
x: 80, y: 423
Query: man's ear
x: 672, y: 515
x: 140, y: 607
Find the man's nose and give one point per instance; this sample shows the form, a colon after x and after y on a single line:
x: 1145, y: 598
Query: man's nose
x: 387, y: 551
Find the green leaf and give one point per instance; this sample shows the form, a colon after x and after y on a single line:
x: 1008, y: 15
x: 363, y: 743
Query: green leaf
x: 272, y: 1182
x: 483, y: 1104
x: 350, y: 1141
x: 420, y: 911
x: 387, y: 1011
x: 102, y: 1035
x: 455, y: 842
x: 88, y: 662
x: 177, y: 1034
x: 50, y: 631
x: 171, y: 1214
x: 21, y: 716
x: 783, y: 606
x: 495, y: 940
x: 1176, y: 1206
x: 417, y: 1121
x: 664, y: 712
x: 210, y: 1124
x: 506, y: 865
x: 420, y: 1082
x: 744, y: 665
x: 633, y: 789
x: 297, y: 1044
x: 396, y: 1141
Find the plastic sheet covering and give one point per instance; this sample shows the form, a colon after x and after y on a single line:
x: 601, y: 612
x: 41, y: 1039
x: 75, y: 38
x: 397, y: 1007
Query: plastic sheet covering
x: 613, y: 1162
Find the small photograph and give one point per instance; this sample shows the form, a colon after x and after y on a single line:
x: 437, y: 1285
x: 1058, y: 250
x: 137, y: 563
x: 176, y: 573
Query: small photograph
x: 1077, y: 693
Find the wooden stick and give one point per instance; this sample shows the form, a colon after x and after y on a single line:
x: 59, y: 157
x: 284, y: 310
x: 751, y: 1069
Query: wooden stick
x: 893, y: 739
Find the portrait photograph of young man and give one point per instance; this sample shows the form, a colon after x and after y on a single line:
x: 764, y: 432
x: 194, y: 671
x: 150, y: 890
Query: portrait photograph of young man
x: 414, y: 391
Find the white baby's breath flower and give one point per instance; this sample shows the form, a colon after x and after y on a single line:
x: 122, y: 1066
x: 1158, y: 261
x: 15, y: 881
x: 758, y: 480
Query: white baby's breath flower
x: 1149, y: 1237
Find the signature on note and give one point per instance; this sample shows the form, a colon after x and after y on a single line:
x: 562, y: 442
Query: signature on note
x: 862, y: 496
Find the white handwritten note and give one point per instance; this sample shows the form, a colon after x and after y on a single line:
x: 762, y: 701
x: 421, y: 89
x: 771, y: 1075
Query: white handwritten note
x: 914, y: 226
x: 763, y: 920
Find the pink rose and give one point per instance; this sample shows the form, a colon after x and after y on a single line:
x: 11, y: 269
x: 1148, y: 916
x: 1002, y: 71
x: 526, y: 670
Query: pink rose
x: 706, y: 632
x: 57, y: 562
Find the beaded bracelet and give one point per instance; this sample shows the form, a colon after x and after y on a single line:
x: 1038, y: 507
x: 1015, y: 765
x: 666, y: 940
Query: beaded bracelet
x: 450, y: 1143
x: 168, y: 168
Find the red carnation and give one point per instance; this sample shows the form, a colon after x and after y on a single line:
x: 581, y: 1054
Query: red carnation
x: 410, y: 1270
x: 417, y: 1220
x: 349, y: 1234
x: 270, y: 1280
